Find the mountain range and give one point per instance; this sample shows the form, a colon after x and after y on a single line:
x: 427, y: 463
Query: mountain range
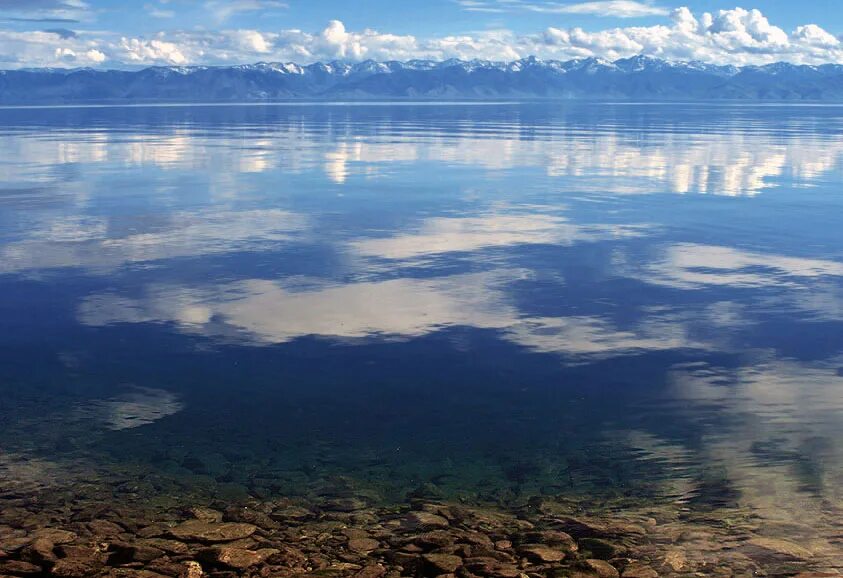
x: 637, y: 78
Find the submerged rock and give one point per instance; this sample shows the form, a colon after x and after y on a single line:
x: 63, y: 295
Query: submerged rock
x: 371, y: 571
x: 442, y: 563
x: 600, y: 568
x: 236, y: 558
x: 424, y: 521
x: 780, y: 548
x: 541, y: 553
x: 602, y: 549
x: 201, y: 531
x: 54, y: 536
x: 19, y: 567
x: 363, y: 545
x: 123, y: 553
x: 639, y: 571
x: 206, y: 514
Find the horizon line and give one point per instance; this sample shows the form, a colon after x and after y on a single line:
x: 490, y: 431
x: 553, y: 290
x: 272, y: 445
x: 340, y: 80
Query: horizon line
x: 529, y: 58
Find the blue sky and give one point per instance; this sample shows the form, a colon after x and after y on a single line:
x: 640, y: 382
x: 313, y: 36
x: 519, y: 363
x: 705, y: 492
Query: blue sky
x: 108, y: 33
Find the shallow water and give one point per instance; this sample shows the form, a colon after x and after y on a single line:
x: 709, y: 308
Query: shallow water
x: 631, y: 306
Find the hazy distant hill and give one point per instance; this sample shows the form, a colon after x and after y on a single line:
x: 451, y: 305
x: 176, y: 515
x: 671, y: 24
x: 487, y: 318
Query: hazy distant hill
x: 639, y: 78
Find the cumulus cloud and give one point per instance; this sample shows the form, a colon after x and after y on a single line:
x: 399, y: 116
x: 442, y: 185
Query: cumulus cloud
x: 738, y: 36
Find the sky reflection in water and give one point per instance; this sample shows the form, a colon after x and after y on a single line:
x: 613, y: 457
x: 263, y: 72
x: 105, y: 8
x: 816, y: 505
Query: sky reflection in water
x: 641, y: 301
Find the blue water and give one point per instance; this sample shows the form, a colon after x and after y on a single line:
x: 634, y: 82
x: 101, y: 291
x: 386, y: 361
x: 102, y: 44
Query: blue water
x: 623, y: 304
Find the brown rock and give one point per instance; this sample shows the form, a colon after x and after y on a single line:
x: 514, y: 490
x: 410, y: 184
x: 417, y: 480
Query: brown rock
x: 251, y: 516
x: 475, y: 539
x: 600, y: 568
x: 200, y: 531
x: 192, y: 569
x: 74, y: 568
x: 123, y: 553
x: 423, y: 521
x: 486, y: 566
x: 132, y: 573
x: 77, y: 560
x: 781, y: 548
x: 601, y: 548
x: 411, y: 563
x: 15, y: 543
x: 289, y: 557
x: 292, y: 513
x: 371, y: 571
x: 19, y: 567
x: 152, y: 531
x: 442, y: 563
x: 503, y: 545
x: 166, y: 566
x: 695, y: 536
x: 104, y: 528
x: 676, y: 560
x: 168, y: 546
x: 54, y: 536
x: 637, y: 570
x: 39, y: 551
x: 363, y: 545
x: 556, y: 538
x: 78, y: 552
x: 434, y: 539
x: 626, y: 528
x: 541, y: 553
x: 205, y: 514
x: 236, y: 558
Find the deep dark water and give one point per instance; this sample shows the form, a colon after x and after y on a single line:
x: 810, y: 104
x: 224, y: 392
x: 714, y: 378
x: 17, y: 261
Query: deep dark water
x: 623, y: 304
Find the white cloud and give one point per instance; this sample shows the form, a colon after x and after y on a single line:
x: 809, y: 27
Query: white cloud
x: 736, y: 36
x: 222, y: 10
x: 44, y: 10
x: 151, y: 51
x: 607, y: 8
x: 612, y: 8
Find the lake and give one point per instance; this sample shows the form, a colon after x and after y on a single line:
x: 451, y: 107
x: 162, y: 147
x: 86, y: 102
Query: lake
x: 582, y: 313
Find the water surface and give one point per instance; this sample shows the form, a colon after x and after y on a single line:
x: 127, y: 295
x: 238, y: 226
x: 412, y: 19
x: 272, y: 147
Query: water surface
x: 620, y: 304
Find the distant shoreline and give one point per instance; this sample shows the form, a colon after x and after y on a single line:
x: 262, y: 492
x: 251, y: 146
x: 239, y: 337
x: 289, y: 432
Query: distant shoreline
x: 740, y: 103
x: 638, y: 79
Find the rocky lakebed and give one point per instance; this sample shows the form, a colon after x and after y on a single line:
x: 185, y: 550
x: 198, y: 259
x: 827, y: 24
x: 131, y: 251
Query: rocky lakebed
x: 53, y: 534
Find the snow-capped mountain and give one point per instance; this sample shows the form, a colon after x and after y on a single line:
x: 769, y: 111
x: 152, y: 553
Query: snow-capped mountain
x: 634, y: 78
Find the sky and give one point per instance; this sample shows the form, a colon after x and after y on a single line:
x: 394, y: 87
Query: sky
x: 127, y: 35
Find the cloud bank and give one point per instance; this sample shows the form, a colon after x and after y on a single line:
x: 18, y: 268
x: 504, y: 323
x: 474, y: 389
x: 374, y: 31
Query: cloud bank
x: 738, y: 36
